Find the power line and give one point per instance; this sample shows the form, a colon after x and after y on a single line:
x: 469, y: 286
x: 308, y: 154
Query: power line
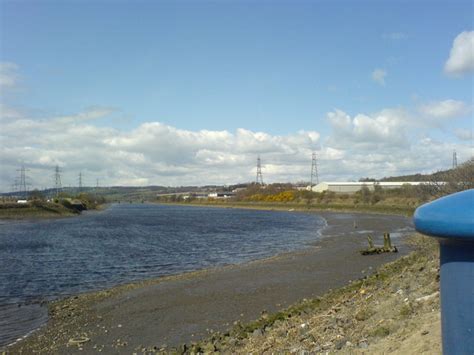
x: 80, y: 181
x: 314, y: 170
x: 22, y: 183
x: 259, y: 172
x: 57, y: 180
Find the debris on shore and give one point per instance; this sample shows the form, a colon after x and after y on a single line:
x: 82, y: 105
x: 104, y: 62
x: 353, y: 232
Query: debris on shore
x: 387, y: 246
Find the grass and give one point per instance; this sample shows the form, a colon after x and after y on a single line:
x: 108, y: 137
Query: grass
x: 35, y: 209
x: 337, y: 207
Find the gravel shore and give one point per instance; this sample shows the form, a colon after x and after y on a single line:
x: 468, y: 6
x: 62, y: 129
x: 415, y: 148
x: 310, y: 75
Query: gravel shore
x: 170, y: 311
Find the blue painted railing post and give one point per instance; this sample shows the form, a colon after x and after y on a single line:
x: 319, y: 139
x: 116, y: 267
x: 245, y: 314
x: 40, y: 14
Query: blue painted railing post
x: 451, y: 220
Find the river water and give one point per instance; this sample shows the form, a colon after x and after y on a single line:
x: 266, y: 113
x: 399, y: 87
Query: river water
x: 47, y: 259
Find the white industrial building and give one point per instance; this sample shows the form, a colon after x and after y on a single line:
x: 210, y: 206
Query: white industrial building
x: 351, y: 187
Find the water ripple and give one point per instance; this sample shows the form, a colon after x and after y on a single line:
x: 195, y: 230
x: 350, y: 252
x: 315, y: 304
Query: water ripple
x: 47, y: 259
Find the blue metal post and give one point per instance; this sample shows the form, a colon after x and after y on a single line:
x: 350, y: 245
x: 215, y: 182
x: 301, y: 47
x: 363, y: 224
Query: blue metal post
x: 451, y: 220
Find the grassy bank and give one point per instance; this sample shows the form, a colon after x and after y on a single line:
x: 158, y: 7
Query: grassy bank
x: 42, y: 209
x: 396, y: 309
x: 285, y: 206
x: 35, y: 209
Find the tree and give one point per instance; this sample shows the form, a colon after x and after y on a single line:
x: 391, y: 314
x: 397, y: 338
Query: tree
x: 451, y: 181
x: 364, y: 194
x: 36, y: 195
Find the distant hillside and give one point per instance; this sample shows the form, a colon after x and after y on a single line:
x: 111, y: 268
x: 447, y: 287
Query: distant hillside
x: 438, y: 176
x: 442, y: 175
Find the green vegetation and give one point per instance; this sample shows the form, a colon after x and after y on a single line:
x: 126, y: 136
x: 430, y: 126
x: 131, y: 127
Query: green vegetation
x: 279, y: 196
x: 38, y: 207
x: 403, y: 200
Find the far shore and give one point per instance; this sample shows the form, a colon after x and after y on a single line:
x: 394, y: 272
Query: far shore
x: 282, y: 206
x: 184, y: 308
x: 32, y: 212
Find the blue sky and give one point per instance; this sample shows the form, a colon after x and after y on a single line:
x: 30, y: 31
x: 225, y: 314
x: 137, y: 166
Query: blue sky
x: 275, y: 67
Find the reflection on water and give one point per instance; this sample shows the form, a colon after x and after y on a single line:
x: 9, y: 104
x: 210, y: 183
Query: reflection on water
x: 46, y: 259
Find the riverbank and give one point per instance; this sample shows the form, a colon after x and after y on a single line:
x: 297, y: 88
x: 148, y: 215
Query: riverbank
x: 38, y: 210
x: 185, y: 308
x: 394, y: 209
x: 395, y: 310
x: 34, y: 210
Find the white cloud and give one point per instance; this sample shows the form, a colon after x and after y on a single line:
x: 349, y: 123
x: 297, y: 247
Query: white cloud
x: 7, y: 112
x: 152, y: 153
x: 376, y: 144
x: 461, y: 57
x: 88, y: 115
x: 464, y: 134
x: 385, y: 128
x: 378, y: 75
x: 444, y: 109
x: 8, y: 75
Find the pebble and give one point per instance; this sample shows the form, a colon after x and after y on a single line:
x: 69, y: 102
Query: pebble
x: 363, y: 345
x: 424, y: 332
x: 327, y: 345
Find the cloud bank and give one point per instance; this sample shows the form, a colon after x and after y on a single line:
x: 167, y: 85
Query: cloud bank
x: 380, y: 144
x: 461, y: 57
x: 444, y: 109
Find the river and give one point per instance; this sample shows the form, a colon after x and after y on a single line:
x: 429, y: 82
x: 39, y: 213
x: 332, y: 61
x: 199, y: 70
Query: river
x: 46, y: 259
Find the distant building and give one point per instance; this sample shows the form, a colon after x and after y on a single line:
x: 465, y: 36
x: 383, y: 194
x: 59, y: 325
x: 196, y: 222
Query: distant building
x: 221, y: 194
x: 352, y: 187
x: 22, y: 201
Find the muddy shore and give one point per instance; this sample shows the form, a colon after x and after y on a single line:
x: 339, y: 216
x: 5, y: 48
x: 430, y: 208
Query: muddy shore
x: 185, y: 308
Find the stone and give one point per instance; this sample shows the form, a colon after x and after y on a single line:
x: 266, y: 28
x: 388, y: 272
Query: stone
x: 257, y: 333
x: 327, y: 345
x: 340, y: 344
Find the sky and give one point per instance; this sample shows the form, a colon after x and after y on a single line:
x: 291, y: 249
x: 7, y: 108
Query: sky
x: 191, y: 92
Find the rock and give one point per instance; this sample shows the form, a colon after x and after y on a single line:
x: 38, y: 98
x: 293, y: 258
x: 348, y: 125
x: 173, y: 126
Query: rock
x: 363, y: 345
x: 339, y: 344
x: 232, y: 342
x: 303, y: 329
x: 327, y: 345
x: 78, y: 341
x: 257, y: 333
x: 427, y: 298
x: 424, y: 332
